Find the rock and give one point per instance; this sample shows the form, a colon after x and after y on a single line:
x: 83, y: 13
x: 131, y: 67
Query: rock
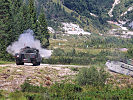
x: 48, y: 83
x: 48, y: 78
x: 8, y: 70
x: 5, y: 76
x: 39, y: 72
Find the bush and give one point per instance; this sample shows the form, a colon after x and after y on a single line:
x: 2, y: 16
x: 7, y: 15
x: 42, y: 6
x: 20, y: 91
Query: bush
x: 26, y: 87
x: 74, y: 68
x: 91, y: 76
x: 1, y: 96
x: 32, y: 96
x: 130, y: 53
x: 58, y: 60
x: 58, y: 52
x: 64, y: 91
x: 17, y: 95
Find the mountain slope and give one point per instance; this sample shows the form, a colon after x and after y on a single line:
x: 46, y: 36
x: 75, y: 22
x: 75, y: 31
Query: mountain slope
x: 121, y: 8
x: 56, y: 11
x: 91, y: 15
x: 124, y: 12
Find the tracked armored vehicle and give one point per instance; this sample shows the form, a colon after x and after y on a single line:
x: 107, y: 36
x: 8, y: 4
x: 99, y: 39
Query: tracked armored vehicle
x: 28, y: 55
x: 122, y: 67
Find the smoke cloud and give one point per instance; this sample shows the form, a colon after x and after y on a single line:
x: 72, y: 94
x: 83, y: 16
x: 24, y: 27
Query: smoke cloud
x: 27, y: 39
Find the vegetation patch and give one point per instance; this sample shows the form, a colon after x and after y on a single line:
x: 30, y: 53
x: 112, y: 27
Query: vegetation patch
x: 91, y: 76
x: 74, y: 68
x: 5, y: 62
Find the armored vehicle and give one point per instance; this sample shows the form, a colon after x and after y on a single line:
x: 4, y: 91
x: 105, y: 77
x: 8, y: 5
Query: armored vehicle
x: 123, y: 67
x: 28, y: 55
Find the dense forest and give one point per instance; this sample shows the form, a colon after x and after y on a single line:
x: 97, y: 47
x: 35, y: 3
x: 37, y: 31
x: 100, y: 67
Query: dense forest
x: 17, y: 16
x: 84, y: 7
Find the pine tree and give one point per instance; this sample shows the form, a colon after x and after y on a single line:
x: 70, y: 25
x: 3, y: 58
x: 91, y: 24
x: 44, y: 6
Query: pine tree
x: 26, y: 17
x: 33, y: 16
x: 16, y: 18
x: 21, y: 17
x: 43, y: 34
x: 5, y: 27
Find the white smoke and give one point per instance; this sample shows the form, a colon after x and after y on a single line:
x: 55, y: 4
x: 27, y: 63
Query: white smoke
x: 27, y: 39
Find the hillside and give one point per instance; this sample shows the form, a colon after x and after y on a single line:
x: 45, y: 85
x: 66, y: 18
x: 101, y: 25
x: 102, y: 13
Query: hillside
x: 57, y: 11
x: 124, y: 12
x: 122, y: 9
x: 114, y: 10
x: 92, y: 16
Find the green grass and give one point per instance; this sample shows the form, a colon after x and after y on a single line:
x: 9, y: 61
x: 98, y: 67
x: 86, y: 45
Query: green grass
x: 3, y: 68
x: 5, y: 62
x: 75, y: 42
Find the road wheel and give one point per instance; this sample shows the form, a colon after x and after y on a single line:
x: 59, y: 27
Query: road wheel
x: 38, y: 63
x: 22, y: 63
x: 34, y: 63
x: 19, y: 62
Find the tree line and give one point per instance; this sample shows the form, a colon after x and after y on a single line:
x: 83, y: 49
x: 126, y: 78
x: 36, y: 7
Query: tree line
x: 17, y: 16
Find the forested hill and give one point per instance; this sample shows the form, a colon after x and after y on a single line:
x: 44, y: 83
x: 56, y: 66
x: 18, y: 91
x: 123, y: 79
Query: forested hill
x: 17, y: 16
x: 92, y: 15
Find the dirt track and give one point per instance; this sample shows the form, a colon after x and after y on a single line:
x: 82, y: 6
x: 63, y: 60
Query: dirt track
x: 12, y: 75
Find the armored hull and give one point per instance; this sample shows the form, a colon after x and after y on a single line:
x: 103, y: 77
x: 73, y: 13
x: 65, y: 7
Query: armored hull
x: 120, y: 67
x: 28, y: 55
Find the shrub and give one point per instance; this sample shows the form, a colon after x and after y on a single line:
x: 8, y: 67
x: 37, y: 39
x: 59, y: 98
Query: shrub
x: 58, y: 52
x: 91, y: 76
x: 17, y: 95
x: 74, y: 68
x: 64, y: 91
x: 58, y: 60
x: 26, y: 87
x: 32, y: 96
x: 1, y: 96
